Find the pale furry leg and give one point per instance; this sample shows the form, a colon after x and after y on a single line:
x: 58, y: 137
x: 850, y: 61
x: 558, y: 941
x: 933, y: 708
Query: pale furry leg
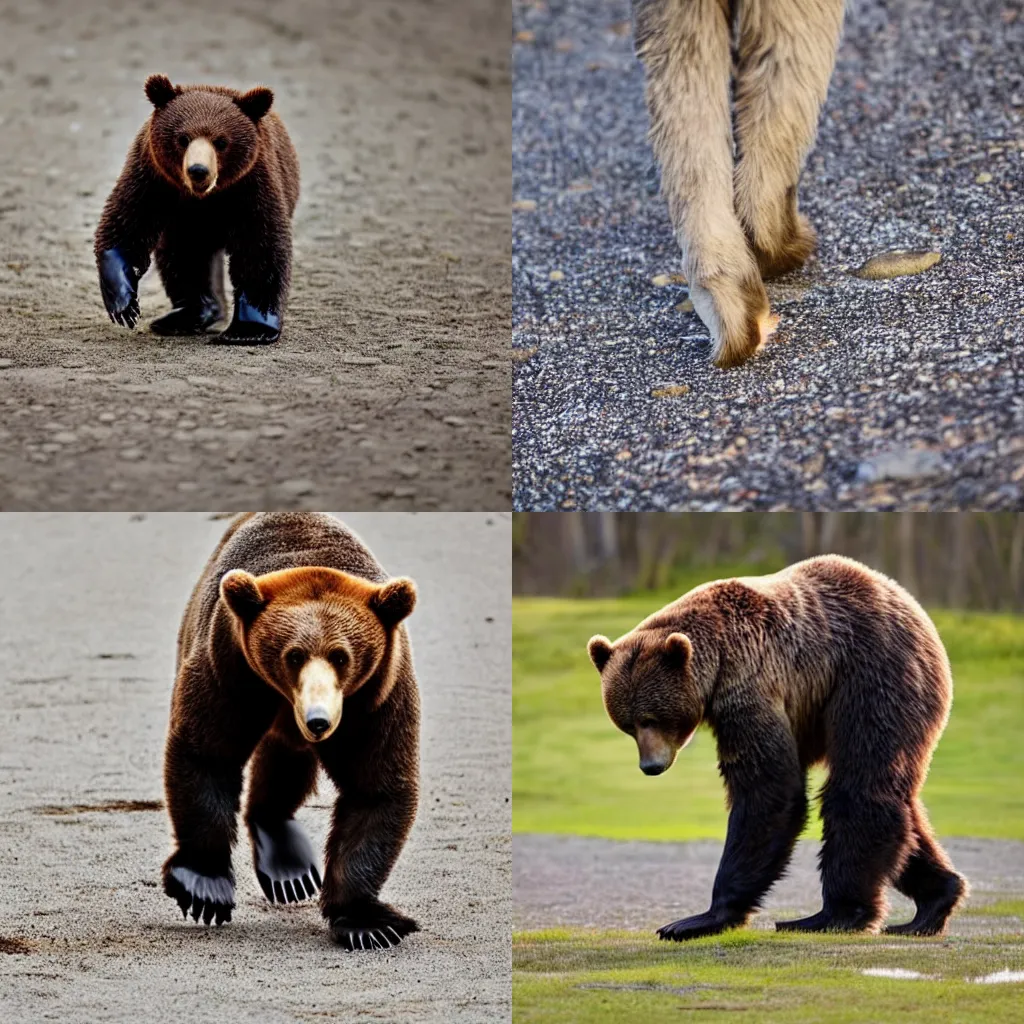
x: 785, y: 56
x: 685, y: 46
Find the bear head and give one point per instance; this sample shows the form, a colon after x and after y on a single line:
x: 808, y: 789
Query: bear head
x: 649, y: 692
x: 317, y: 635
x: 204, y: 138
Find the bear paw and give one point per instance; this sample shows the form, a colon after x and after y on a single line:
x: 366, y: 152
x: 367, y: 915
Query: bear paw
x: 118, y: 283
x: 285, y: 862
x: 192, y: 319
x: 368, y: 925
x: 694, y: 927
x: 211, y: 898
x: 250, y: 325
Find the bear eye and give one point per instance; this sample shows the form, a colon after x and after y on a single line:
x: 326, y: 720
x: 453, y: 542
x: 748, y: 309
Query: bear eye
x: 220, y: 144
x: 183, y: 140
x: 295, y: 658
x: 338, y: 657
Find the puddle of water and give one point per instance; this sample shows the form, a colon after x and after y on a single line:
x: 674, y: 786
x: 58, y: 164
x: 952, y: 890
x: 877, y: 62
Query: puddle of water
x: 895, y: 972
x: 999, y: 976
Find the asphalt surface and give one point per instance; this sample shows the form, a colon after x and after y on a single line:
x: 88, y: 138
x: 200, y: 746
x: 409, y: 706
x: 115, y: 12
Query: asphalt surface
x: 875, y: 394
x: 390, y: 386
x: 574, y: 881
x: 89, y: 617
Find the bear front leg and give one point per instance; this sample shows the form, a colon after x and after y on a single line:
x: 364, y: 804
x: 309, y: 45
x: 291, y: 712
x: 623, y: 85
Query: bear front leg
x: 128, y: 231
x: 686, y: 52
x: 203, y: 795
x: 767, y: 796
x: 367, y: 834
x: 260, y: 267
x: 193, y: 274
x: 281, y: 778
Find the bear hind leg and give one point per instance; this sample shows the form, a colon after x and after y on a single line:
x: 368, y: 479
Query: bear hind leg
x: 284, y: 859
x: 929, y: 879
x: 194, y: 282
x: 865, y: 843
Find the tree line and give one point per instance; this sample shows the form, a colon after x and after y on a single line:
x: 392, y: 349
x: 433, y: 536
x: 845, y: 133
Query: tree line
x: 954, y: 559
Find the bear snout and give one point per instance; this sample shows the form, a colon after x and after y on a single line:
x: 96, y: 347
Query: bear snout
x: 317, y: 721
x: 199, y: 166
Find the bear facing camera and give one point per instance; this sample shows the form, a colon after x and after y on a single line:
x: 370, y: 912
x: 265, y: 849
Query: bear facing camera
x: 211, y: 172
x: 824, y: 662
x: 293, y: 655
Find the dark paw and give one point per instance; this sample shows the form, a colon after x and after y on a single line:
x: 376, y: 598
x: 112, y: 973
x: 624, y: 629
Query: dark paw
x: 192, y: 319
x: 250, y: 326
x: 370, y: 925
x: 695, y: 927
x: 285, y: 862
x: 118, y: 283
x: 211, y: 898
x: 858, y: 920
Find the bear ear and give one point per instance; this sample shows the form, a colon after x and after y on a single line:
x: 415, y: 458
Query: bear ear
x: 394, y: 601
x: 678, y: 649
x: 242, y: 594
x: 256, y: 102
x: 600, y: 650
x: 160, y: 91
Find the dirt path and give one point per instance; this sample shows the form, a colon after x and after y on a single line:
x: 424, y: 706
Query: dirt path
x: 603, y: 883
x: 86, y: 663
x: 390, y: 386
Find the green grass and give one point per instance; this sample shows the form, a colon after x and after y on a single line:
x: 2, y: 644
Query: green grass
x: 578, y: 977
x: 573, y: 772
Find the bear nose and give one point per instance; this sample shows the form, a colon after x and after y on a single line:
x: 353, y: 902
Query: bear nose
x: 651, y: 767
x: 317, y: 721
x: 198, y: 173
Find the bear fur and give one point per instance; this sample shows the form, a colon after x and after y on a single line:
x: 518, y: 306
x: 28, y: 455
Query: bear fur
x: 293, y: 654
x: 211, y: 171
x: 826, y: 661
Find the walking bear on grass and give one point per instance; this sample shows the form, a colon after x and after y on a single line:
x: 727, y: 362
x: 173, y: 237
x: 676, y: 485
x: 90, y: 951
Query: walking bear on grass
x: 826, y: 661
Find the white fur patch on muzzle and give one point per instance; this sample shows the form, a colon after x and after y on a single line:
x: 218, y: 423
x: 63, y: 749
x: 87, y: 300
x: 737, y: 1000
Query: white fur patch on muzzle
x: 199, y: 167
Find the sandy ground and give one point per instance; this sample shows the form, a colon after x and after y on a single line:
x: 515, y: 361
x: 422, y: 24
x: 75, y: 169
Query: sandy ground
x: 904, y: 393
x: 390, y: 385
x: 604, y: 883
x: 89, y: 617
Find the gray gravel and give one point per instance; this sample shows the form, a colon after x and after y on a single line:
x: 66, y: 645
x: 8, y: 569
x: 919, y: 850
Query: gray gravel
x: 863, y: 375
x: 605, y: 883
x: 90, y: 611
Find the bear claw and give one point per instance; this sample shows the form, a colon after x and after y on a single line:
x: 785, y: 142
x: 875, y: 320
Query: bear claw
x: 371, y: 925
x: 285, y: 862
x: 118, y: 283
x: 250, y: 325
x: 201, y: 895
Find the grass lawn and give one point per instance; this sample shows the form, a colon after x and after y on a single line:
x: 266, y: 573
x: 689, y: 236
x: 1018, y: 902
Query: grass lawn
x: 577, y: 977
x: 573, y: 772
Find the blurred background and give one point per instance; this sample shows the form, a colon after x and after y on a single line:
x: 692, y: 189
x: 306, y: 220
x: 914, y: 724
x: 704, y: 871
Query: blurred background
x: 576, y: 574
x: 957, y: 560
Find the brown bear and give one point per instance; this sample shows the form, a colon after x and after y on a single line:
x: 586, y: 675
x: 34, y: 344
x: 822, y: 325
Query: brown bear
x: 293, y: 653
x: 211, y: 171
x: 826, y: 661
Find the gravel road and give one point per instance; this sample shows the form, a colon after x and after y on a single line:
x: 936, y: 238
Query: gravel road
x: 605, y: 883
x: 90, y: 611
x: 904, y: 393
x: 390, y: 385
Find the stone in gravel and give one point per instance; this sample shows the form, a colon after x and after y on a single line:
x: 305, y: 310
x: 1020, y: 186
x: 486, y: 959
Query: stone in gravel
x: 6, y: 364
x: 295, y: 488
x: 556, y: 275
x: 65, y: 437
x: 984, y: 178
x: 900, y: 464
x: 454, y: 421
x: 686, y: 306
x: 897, y: 264
x: 272, y: 430
x: 351, y: 360
x: 525, y: 205
x: 409, y: 472
x: 131, y: 454
x: 106, y: 417
x: 520, y: 355
x: 670, y: 391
